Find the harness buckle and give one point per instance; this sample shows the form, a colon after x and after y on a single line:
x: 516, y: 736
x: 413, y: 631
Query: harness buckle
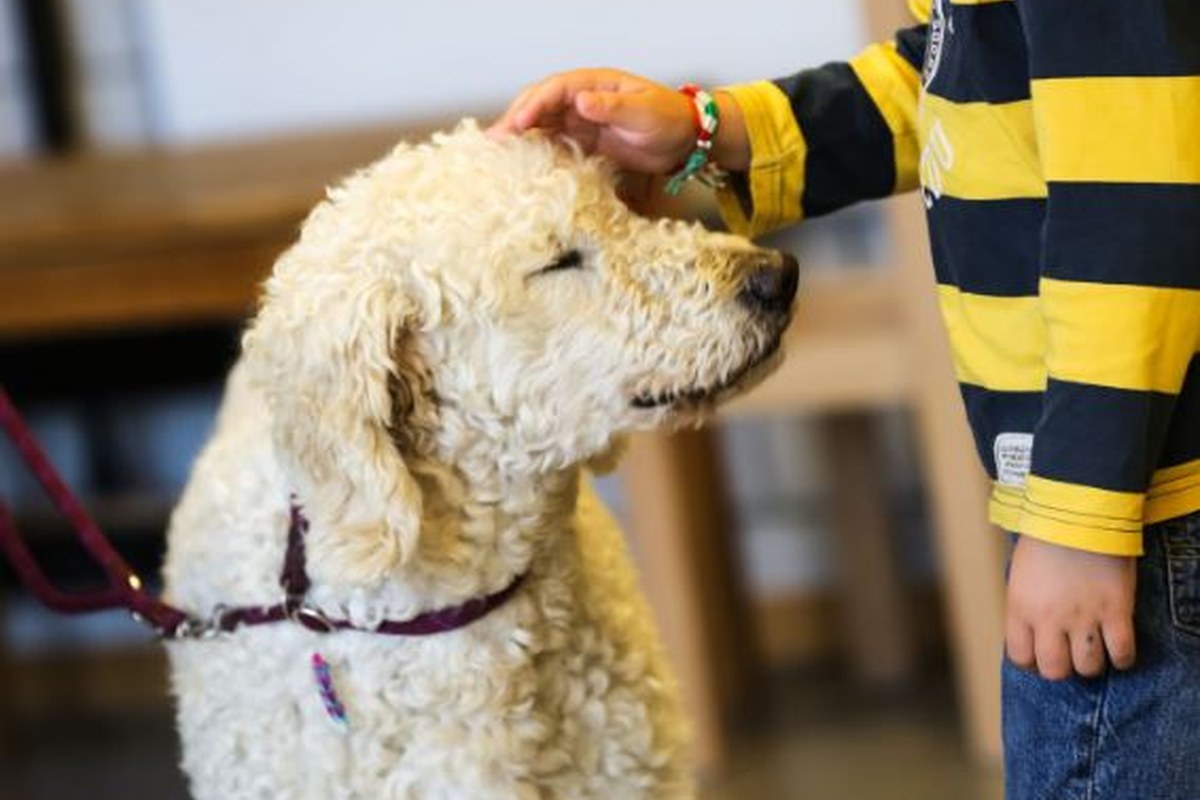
x: 313, y: 619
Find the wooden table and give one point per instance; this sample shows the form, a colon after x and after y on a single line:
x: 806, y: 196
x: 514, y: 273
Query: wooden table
x: 158, y: 239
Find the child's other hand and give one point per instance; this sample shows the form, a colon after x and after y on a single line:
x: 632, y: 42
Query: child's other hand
x: 1067, y: 608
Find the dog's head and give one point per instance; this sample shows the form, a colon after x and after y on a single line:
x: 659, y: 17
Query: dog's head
x: 493, y: 304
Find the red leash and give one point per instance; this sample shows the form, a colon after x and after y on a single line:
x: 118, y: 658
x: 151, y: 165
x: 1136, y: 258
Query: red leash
x: 125, y: 588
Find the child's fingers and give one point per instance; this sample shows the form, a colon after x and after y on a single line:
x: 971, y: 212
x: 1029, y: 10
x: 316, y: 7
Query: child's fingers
x: 540, y: 101
x: 506, y: 124
x: 548, y: 99
x: 1018, y: 643
x: 1053, y: 651
x: 555, y: 96
x: 1120, y: 642
x: 1087, y: 651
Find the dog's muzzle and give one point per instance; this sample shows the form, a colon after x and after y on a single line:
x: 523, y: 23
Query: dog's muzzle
x: 771, y: 285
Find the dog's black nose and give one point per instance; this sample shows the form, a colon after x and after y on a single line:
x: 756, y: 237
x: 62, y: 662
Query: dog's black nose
x: 772, y: 284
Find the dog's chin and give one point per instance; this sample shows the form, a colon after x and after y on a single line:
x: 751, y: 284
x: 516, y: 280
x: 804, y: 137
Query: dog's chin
x: 699, y: 400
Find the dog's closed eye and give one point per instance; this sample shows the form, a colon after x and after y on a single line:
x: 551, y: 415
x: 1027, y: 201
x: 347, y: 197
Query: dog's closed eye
x: 568, y: 259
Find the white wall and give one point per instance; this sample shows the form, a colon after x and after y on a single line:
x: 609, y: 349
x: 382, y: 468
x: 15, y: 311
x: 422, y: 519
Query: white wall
x: 225, y: 68
x: 16, y: 112
x: 106, y: 58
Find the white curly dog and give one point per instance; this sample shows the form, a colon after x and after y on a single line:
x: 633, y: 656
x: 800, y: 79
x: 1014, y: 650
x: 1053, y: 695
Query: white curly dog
x: 460, y: 330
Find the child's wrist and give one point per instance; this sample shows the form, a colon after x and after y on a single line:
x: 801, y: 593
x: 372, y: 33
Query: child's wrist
x: 731, y: 148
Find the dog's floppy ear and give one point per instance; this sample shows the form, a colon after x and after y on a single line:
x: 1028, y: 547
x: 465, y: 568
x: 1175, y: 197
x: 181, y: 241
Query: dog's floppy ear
x: 331, y: 354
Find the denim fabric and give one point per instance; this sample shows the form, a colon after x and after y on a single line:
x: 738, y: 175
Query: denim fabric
x: 1131, y: 735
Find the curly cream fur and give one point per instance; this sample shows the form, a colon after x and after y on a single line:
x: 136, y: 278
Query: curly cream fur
x: 430, y: 397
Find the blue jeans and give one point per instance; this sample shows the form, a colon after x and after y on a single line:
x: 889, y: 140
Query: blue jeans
x: 1131, y: 735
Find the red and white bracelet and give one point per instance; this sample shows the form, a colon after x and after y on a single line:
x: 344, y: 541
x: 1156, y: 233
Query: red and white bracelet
x: 699, y: 164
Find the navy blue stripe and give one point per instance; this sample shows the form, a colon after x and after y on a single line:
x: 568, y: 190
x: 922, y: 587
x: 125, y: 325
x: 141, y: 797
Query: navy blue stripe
x: 990, y: 247
x: 993, y: 413
x: 1080, y: 38
x: 1145, y: 234
x: 1099, y: 436
x: 1183, y: 436
x: 910, y: 43
x: 983, y: 57
x: 851, y: 155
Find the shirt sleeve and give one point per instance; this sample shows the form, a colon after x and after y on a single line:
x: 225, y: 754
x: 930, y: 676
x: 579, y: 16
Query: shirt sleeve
x: 828, y: 137
x: 1116, y: 101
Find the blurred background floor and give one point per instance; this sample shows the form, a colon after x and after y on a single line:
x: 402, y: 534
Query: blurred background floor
x: 824, y: 740
x: 817, y: 738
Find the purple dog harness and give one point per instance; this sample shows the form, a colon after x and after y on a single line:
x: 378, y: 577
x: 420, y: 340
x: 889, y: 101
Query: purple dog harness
x: 125, y: 588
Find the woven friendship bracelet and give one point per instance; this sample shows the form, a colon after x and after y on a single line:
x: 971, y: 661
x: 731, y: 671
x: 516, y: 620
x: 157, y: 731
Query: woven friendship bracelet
x: 699, y: 164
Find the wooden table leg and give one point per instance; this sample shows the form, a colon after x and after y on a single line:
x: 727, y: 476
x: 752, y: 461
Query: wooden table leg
x: 874, y: 605
x: 6, y: 742
x: 971, y: 551
x: 675, y: 499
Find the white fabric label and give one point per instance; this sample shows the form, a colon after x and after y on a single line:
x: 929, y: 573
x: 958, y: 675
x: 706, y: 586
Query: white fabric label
x: 1013, y: 454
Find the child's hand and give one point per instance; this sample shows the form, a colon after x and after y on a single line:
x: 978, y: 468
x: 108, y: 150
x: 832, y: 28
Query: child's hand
x: 643, y: 126
x: 1067, y: 607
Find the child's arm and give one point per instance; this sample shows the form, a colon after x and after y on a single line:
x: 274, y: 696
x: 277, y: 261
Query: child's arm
x: 826, y: 138
x: 799, y: 146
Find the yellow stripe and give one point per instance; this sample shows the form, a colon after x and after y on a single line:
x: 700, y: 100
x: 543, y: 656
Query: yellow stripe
x: 1131, y: 130
x: 893, y: 85
x: 777, y: 152
x: 979, y: 151
x: 1008, y: 509
x: 921, y: 9
x: 1084, y: 504
x: 1079, y: 537
x: 1119, y: 335
x: 1003, y: 508
x: 1174, y: 491
x: 1164, y: 478
x: 998, y: 342
x: 1169, y: 506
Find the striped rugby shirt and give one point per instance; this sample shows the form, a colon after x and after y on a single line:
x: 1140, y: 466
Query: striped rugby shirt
x: 1057, y: 146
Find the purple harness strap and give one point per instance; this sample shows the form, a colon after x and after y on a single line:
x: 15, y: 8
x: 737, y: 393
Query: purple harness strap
x: 125, y: 588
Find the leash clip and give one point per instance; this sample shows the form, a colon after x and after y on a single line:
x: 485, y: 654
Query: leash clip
x: 196, y: 629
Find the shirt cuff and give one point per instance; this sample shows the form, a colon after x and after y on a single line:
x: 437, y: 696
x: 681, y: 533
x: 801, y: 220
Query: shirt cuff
x: 1051, y: 511
x: 768, y: 196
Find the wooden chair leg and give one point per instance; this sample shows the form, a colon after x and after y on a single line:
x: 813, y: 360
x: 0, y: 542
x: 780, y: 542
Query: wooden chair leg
x: 874, y: 605
x: 677, y: 517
